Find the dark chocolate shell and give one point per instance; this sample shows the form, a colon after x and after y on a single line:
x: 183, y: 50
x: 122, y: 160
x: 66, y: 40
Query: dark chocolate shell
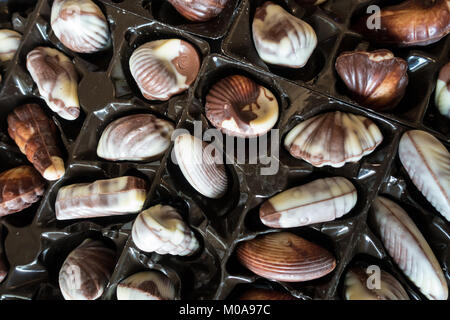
x: 146, y: 285
x: 199, y: 10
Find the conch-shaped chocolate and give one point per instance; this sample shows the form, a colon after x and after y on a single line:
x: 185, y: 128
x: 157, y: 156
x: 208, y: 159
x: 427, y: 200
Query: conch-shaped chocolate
x: 408, y: 248
x: 161, y: 229
x: 377, y: 80
x: 240, y: 107
x: 318, y: 201
x: 197, y: 161
x: 80, y: 25
x: 19, y: 188
x: 199, y: 10
x: 36, y: 136
x: 359, y: 287
x: 56, y: 79
x: 265, y: 294
x: 281, y: 38
x: 86, y: 271
x: 110, y: 197
x: 164, y: 68
x: 285, y: 257
x: 146, y: 285
x: 135, y: 138
x: 442, y: 92
x: 427, y: 162
x: 9, y: 42
x: 333, y: 139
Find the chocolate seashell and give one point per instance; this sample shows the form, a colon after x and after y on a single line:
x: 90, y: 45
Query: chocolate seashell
x: 357, y: 288
x: 376, y: 80
x: 199, y: 10
x: 281, y: 38
x: 442, y: 92
x: 265, y: 294
x: 19, y: 188
x: 333, y: 139
x: 9, y: 42
x: 135, y: 138
x: 80, y: 25
x: 109, y: 197
x: 161, y: 229
x: 197, y: 163
x: 427, y: 163
x: 321, y: 200
x: 56, y: 79
x: 408, y: 248
x: 36, y: 136
x: 146, y: 285
x: 285, y: 257
x: 240, y: 107
x: 164, y: 68
x: 86, y: 271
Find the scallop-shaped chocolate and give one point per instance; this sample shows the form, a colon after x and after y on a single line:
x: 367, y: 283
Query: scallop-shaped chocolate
x: 199, y: 164
x: 164, y: 68
x: 135, y: 138
x: 80, y: 25
x: 281, y: 38
x: 333, y: 139
x: 427, y: 162
x: 265, y: 294
x: 199, y: 10
x: 285, y: 257
x: 240, y: 107
x: 408, y: 248
x: 146, y: 285
x: 376, y: 80
x: 442, y: 92
x: 9, y: 42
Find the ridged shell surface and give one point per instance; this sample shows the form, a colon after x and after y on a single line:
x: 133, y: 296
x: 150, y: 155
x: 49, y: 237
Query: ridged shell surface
x: 9, y: 42
x: 265, y: 294
x: 146, y: 285
x: 442, y: 92
x: 199, y: 10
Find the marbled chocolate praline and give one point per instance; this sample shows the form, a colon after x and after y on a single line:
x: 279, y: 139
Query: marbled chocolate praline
x: 199, y: 10
x: 146, y: 285
x: 442, y: 92
x: 9, y: 42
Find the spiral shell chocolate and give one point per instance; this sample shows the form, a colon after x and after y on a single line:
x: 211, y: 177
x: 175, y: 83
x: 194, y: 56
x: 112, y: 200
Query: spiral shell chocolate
x: 442, y: 92
x: 146, y: 285
x: 80, y: 25
x: 161, y: 229
x: 9, y: 42
x: 281, y: 38
x: 240, y: 107
x: 164, y: 68
x: 333, y: 139
x: 199, y: 10
x: 137, y: 137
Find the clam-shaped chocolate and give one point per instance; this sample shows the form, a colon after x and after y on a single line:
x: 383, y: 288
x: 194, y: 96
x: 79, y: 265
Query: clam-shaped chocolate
x: 265, y: 294
x: 80, y: 25
x: 285, y: 257
x: 333, y: 139
x: 358, y: 286
x: 377, y: 79
x: 442, y: 92
x: 20, y: 187
x: 408, y: 248
x: 318, y: 201
x: 161, y: 229
x: 135, y: 138
x: 164, y: 68
x: 146, y: 285
x: 427, y: 162
x: 281, y: 38
x: 9, y: 42
x: 240, y: 107
x: 199, y: 164
x: 86, y: 271
x: 199, y: 10
x: 56, y: 79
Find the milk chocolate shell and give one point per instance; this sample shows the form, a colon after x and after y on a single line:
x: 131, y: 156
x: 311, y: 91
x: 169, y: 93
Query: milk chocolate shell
x: 240, y: 107
x: 56, y: 79
x: 164, y: 68
x: 199, y: 10
x: 281, y: 38
x: 408, y: 248
x: 36, y: 136
x: 86, y: 271
x: 19, y: 188
x: 377, y: 80
x: 333, y: 139
x: 80, y: 25
x: 110, y: 197
x: 442, y: 92
x: 9, y: 42
x: 146, y: 285
x: 135, y: 138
